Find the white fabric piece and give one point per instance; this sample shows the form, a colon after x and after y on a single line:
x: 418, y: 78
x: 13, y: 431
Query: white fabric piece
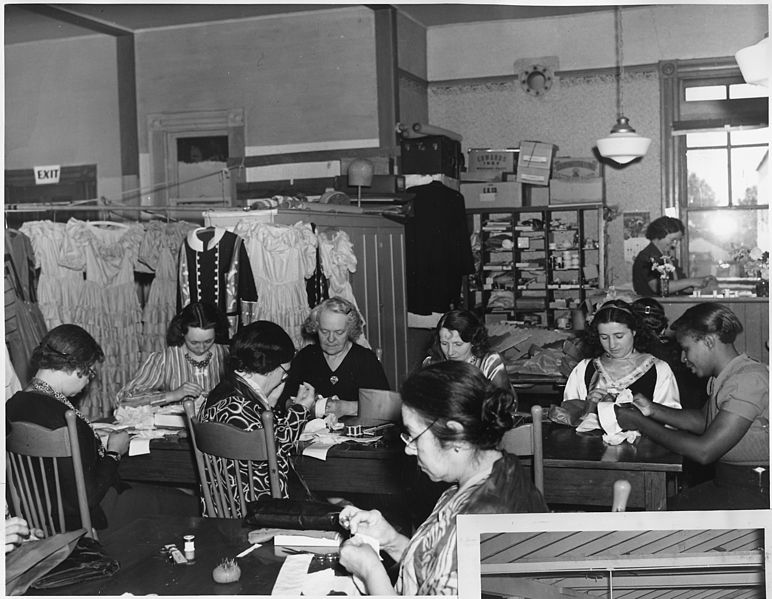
x: 613, y: 433
x: 293, y: 575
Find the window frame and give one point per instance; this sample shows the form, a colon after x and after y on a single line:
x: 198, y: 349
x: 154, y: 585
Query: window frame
x: 675, y: 77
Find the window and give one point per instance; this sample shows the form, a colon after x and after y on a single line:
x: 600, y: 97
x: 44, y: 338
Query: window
x: 715, y: 146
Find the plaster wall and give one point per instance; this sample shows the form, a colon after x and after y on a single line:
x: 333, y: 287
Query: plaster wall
x: 61, y: 107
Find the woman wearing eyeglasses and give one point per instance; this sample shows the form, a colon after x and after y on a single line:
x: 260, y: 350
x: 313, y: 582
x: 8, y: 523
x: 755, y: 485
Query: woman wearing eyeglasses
x: 64, y: 364
x: 260, y: 355
x: 337, y: 365
x: 454, y: 419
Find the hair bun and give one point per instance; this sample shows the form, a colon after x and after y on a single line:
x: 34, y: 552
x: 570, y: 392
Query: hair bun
x: 498, y: 415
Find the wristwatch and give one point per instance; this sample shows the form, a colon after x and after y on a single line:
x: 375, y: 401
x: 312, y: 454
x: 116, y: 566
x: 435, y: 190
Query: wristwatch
x: 114, y: 455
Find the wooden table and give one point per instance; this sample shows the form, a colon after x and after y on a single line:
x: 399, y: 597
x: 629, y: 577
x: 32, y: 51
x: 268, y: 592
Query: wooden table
x: 349, y: 468
x: 580, y: 469
x: 144, y: 569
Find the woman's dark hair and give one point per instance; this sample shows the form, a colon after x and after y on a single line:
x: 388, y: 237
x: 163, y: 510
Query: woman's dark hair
x: 354, y: 325
x: 621, y: 312
x: 68, y: 348
x: 459, y: 391
x: 260, y: 347
x: 651, y: 313
x: 708, y: 318
x: 470, y: 328
x: 200, y: 315
x: 663, y: 226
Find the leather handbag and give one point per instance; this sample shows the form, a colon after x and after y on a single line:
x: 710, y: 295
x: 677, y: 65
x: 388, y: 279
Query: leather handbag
x: 269, y: 512
x: 87, y: 561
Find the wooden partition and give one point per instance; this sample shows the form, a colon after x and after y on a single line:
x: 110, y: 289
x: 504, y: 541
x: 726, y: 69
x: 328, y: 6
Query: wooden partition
x: 753, y: 313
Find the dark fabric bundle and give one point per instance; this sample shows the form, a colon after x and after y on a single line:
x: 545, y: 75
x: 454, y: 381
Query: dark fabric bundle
x: 270, y: 512
x: 86, y: 562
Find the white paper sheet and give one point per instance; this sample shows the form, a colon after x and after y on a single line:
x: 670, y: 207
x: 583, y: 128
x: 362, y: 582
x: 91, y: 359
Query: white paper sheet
x: 139, y: 446
x: 293, y: 575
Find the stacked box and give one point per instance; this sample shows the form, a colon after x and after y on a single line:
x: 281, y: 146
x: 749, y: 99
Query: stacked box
x: 431, y: 155
x: 534, y: 162
x: 504, y: 194
x: 576, y: 180
x: 486, y: 164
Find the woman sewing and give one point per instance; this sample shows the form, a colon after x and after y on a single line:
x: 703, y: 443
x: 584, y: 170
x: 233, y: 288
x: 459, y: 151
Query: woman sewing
x: 663, y: 234
x: 336, y: 365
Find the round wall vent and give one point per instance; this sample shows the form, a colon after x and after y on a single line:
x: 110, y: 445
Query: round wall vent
x: 536, y: 80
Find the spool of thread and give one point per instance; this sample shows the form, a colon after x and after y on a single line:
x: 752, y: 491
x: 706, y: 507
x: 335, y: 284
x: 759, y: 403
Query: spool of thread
x: 189, y: 548
x: 354, y: 430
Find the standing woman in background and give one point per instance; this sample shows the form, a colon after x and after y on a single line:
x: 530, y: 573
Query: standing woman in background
x: 663, y: 234
x: 191, y: 366
x: 461, y: 337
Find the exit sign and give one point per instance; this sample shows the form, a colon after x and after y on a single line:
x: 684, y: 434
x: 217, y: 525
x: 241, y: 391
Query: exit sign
x: 47, y: 174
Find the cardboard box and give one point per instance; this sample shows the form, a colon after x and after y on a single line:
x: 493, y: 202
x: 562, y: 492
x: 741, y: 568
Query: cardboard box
x: 564, y: 191
x: 486, y: 164
x: 537, y: 195
x: 576, y: 179
x: 498, y: 194
x: 534, y: 162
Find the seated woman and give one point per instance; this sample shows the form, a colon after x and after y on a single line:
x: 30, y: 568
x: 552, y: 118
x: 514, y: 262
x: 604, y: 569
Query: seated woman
x: 260, y: 355
x: 663, y: 234
x: 192, y: 364
x: 64, y: 364
x: 619, y: 344
x: 732, y: 429
x: 337, y: 365
x: 461, y: 336
x: 454, y: 419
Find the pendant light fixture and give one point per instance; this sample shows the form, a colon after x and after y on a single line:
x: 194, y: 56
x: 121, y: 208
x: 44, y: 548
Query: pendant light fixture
x: 623, y: 144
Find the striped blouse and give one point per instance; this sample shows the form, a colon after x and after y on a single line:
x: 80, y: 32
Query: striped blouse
x: 491, y: 364
x: 166, y: 370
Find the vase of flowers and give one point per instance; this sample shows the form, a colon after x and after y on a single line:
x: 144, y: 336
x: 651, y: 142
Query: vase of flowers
x: 663, y: 266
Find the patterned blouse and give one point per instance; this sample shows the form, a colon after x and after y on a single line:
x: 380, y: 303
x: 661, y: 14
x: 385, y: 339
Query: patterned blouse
x: 167, y: 370
x: 234, y: 402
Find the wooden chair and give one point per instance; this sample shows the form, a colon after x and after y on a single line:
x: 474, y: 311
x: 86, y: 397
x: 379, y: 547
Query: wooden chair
x: 526, y: 440
x: 218, y: 448
x: 36, y: 458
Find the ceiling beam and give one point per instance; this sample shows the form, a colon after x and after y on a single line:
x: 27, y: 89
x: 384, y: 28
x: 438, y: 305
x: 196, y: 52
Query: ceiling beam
x: 68, y: 15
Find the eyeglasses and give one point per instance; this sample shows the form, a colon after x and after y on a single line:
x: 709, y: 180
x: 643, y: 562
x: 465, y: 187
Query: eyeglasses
x: 286, y: 372
x: 90, y: 373
x: 407, y: 440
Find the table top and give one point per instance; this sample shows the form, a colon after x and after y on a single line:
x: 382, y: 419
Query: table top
x: 564, y: 447
x: 144, y: 569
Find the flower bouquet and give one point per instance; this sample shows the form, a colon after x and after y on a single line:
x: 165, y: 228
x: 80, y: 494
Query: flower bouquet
x: 664, y: 266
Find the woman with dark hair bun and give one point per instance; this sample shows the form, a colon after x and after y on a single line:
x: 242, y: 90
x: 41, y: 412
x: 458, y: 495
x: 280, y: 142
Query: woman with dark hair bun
x: 663, y: 234
x: 731, y: 429
x: 260, y: 356
x: 454, y: 421
x: 192, y: 364
x: 462, y: 337
x: 65, y: 363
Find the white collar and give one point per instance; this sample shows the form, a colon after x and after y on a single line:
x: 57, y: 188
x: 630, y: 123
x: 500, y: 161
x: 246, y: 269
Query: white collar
x: 195, y: 242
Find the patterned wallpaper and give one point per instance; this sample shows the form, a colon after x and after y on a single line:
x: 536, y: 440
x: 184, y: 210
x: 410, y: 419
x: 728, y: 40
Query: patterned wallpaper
x: 572, y: 115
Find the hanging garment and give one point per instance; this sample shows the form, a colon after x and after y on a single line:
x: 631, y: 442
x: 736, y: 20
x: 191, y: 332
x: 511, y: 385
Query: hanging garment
x: 317, y: 286
x: 109, y: 308
x: 59, y: 288
x: 214, y: 267
x: 438, y: 251
x: 282, y: 257
x: 159, y: 253
x: 338, y: 259
x: 25, y: 325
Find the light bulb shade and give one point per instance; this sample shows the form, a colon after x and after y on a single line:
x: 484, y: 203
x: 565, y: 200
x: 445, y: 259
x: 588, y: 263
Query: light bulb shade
x: 360, y: 173
x: 754, y: 63
x: 623, y: 144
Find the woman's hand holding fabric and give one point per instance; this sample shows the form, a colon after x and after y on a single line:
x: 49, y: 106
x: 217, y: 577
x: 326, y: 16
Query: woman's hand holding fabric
x: 306, y: 395
x: 341, y: 408
x: 360, y: 559
x: 644, y: 404
x: 118, y: 441
x: 628, y: 416
x: 369, y: 522
x: 187, y: 389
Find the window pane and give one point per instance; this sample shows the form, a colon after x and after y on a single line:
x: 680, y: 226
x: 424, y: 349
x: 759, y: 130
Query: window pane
x: 707, y: 92
x: 750, y: 136
x: 749, y: 168
x: 707, y: 178
x: 714, y: 240
x: 200, y: 163
x: 746, y: 90
x: 705, y: 139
